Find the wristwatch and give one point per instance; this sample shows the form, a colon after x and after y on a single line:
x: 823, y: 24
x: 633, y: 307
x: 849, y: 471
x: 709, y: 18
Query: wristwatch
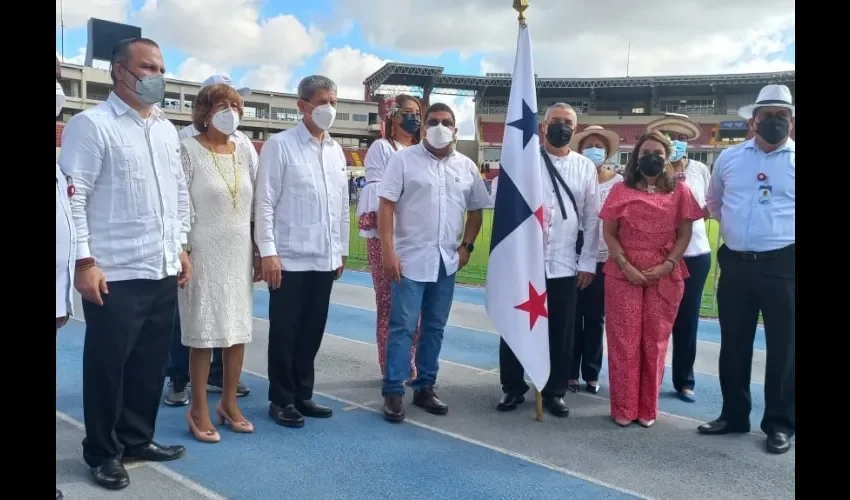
x: 468, y: 246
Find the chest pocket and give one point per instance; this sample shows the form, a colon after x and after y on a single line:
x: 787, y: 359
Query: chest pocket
x: 458, y: 188
x: 302, y: 191
x: 129, y: 190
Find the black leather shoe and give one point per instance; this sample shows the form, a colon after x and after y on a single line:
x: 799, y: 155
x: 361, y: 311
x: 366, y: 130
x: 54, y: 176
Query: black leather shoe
x: 593, y: 389
x: 427, y: 399
x: 556, y: 406
x: 719, y: 427
x: 310, y: 409
x: 153, y: 452
x: 510, y: 402
x: 394, y: 408
x: 110, y: 475
x: 778, y: 443
x: 286, y: 416
x: 573, y: 387
x: 58, y: 494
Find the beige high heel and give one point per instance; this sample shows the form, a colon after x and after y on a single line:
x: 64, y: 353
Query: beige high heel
x: 245, y: 426
x: 646, y: 423
x: 210, y: 436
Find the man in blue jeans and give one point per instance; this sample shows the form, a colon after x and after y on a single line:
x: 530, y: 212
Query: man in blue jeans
x: 178, y: 371
x: 424, y: 194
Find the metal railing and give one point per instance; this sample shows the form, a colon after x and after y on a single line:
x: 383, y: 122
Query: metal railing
x: 475, y: 273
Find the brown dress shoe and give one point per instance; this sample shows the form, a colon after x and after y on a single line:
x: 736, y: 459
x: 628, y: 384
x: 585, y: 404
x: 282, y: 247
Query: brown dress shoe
x: 427, y: 399
x: 394, y: 407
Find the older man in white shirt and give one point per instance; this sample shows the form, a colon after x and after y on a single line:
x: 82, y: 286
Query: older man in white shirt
x: 425, y: 193
x: 302, y: 222
x: 571, y: 242
x: 66, y: 238
x: 178, y: 359
x: 131, y: 212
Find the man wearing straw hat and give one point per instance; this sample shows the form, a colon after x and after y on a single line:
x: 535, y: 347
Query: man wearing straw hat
x: 681, y: 129
x: 752, y: 194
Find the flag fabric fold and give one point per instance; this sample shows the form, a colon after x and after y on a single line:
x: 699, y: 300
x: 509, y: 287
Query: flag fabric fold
x: 516, y: 277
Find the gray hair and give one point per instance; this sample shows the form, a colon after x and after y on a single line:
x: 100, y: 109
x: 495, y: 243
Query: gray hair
x: 558, y: 105
x: 309, y: 85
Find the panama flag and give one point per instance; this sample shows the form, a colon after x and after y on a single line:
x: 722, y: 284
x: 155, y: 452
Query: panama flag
x: 516, y: 278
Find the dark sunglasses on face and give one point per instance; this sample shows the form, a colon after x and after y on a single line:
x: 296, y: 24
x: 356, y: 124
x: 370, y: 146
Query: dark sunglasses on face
x: 433, y: 122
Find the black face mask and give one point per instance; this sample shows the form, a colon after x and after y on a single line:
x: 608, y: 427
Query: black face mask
x: 410, y: 123
x: 651, y: 165
x: 774, y: 128
x: 559, y: 134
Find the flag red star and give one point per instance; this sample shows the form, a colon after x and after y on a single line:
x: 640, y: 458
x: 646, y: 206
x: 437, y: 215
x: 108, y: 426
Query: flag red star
x: 538, y: 214
x: 535, y: 306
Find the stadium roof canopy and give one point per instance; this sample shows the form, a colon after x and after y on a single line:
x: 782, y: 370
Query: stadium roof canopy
x: 399, y: 77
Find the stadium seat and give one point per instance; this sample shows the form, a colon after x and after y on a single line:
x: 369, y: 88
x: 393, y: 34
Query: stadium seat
x: 59, y: 128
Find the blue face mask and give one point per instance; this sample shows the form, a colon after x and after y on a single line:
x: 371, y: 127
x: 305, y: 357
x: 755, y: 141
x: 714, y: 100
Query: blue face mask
x: 679, y: 149
x: 596, y: 155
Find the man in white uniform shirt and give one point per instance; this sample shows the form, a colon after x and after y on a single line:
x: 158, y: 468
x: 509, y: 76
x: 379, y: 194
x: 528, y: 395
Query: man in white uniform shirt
x: 66, y: 238
x: 178, y: 359
x: 302, y: 220
x: 425, y: 193
x: 571, y: 242
x: 131, y: 212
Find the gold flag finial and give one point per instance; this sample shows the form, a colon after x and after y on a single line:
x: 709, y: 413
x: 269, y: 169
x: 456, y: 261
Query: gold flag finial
x: 520, y: 6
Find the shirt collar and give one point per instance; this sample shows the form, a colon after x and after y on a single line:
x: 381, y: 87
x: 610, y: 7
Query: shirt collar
x: 119, y: 107
x: 425, y: 150
x: 789, y: 145
x: 304, y: 134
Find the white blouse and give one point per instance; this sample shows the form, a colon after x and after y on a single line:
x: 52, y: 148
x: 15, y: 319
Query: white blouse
x: 375, y: 163
x: 604, y: 190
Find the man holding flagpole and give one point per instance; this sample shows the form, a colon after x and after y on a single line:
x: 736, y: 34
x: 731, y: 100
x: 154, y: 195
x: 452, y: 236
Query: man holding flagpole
x: 516, y: 277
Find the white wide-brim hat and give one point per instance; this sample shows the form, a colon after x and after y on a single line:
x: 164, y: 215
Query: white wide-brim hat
x: 777, y: 96
x: 224, y: 79
x: 612, y: 140
x: 676, y: 122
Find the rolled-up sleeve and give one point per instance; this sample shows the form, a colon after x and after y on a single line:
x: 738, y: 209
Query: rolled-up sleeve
x: 479, y: 198
x: 268, y: 190
x: 392, y: 183
x: 81, y: 158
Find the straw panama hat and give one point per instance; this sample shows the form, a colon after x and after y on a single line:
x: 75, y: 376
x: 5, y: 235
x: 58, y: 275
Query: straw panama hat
x: 778, y: 96
x: 676, y: 122
x: 612, y: 140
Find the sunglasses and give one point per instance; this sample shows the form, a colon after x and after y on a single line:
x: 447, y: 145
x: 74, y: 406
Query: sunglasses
x: 433, y: 122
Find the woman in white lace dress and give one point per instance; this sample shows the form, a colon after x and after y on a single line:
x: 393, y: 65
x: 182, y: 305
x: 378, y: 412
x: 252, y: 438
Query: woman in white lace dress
x: 216, y: 306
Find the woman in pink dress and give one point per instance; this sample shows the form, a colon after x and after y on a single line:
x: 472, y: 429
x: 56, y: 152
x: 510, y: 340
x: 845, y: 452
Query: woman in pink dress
x: 647, y: 222
x: 401, y: 129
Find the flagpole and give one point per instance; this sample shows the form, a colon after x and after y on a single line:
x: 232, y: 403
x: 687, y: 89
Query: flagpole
x: 520, y: 6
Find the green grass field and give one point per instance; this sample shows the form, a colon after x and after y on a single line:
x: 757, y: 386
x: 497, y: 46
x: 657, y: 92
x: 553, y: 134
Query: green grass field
x: 475, y: 273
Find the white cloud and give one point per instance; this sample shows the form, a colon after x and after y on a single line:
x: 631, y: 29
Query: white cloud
x: 80, y: 59
x: 230, y: 33
x: 589, y: 38
x: 348, y: 67
x: 195, y: 70
x: 76, y: 13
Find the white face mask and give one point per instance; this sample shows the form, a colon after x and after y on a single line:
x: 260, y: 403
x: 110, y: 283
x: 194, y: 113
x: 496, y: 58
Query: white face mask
x: 324, y: 116
x: 226, y: 121
x: 60, y: 98
x: 439, y: 136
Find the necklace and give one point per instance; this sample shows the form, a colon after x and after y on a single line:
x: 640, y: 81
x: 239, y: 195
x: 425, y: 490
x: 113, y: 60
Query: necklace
x: 650, y: 188
x: 234, y: 189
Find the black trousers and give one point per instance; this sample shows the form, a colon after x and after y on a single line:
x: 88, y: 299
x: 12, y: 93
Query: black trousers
x: 687, y: 322
x: 298, y: 312
x: 750, y: 283
x: 124, y: 358
x: 561, y: 296
x: 590, y: 325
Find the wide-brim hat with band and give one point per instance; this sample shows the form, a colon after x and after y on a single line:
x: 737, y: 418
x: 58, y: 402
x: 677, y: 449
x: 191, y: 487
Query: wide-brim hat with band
x: 612, y: 140
x: 778, y: 96
x: 678, y: 123
x: 224, y: 79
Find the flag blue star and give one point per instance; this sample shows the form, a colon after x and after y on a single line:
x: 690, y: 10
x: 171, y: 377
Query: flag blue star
x: 528, y: 124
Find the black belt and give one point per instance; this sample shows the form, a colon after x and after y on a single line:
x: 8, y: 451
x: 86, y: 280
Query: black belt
x: 767, y: 255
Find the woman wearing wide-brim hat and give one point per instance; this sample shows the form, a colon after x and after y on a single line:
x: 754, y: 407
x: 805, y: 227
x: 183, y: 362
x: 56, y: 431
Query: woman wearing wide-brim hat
x: 598, y: 144
x: 681, y: 129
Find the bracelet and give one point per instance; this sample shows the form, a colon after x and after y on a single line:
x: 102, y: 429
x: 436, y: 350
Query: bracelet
x: 84, y: 264
x: 620, y: 260
x: 668, y: 259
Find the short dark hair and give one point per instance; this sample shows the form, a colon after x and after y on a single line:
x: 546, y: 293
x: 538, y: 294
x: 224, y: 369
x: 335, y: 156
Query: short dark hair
x: 208, y: 97
x: 439, y: 107
x: 121, y: 52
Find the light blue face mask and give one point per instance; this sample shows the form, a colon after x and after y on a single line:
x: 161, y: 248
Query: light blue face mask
x: 679, y: 149
x: 596, y: 155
